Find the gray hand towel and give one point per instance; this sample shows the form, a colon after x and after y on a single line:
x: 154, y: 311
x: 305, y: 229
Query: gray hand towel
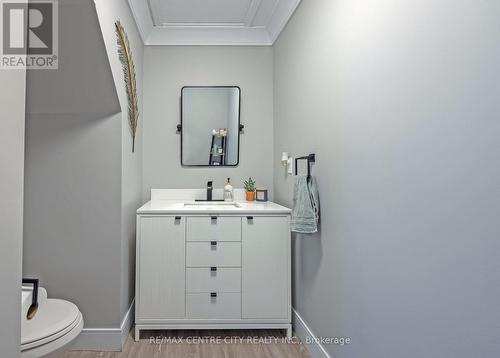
x: 305, y: 212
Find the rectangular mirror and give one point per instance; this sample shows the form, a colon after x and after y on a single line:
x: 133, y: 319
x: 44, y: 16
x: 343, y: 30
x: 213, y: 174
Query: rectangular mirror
x: 210, y: 126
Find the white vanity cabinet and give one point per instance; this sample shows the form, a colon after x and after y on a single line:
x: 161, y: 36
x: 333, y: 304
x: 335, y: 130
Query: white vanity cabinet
x: 206, y: 270
x: 161, y: 260
x: 265, y: 274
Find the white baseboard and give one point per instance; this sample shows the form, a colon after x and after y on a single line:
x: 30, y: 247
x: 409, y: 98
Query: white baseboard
x: 127, y: 322
x: 302, y: 330
x: 113, y: 339
x: 105, y: 339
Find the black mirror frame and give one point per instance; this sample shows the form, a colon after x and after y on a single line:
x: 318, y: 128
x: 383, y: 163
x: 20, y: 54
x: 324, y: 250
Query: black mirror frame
x: 240, y: 127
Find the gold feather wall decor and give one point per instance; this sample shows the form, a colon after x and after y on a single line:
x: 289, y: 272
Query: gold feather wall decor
x: 125, y: 55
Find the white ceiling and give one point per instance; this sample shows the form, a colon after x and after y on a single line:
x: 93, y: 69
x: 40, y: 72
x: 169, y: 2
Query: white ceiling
x: 211, y: 22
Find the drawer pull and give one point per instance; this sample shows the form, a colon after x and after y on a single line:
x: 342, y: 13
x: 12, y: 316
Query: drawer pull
x: 213, y: 294
x: 213, y: 243
x: 213, y: 269
x: 249, y: 217
x: 214, y: 218
x: 177, y: 218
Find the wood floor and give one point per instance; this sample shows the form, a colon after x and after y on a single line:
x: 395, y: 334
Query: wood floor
x: 203, y: 344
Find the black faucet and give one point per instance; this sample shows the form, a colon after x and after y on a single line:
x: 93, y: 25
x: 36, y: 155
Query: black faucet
x: 209, y: 190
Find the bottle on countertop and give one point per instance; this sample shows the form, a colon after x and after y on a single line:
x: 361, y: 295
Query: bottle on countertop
x: 228, y: 191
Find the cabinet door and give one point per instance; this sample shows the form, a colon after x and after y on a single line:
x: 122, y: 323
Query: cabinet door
x: 161, y: 268
x: 265, y: 267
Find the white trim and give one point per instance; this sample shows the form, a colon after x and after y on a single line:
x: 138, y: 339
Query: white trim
x: 154, y: 11
x: 252, y: 12
x: 105, y: 339
x: 207, y: 25
x: 302, y: 330
x: 127, y: 322
x: 142, y: 16
x: 282, y: 13
x: 206, y: 34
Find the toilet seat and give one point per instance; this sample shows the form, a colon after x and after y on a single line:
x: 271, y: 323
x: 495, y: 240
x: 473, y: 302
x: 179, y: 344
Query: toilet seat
x: 54, y: 320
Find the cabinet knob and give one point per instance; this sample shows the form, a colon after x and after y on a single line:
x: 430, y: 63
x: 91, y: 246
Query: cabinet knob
x: 213, y: 269
x: 213, y: 294
x: 213, y: 243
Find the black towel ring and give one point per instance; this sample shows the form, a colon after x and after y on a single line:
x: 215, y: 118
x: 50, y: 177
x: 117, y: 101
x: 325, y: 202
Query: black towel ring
x: 311, y: 158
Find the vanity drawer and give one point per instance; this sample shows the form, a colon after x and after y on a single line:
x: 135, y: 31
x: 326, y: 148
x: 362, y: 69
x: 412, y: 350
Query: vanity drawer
x: 216, y: 228
x: 203, y: 306
x: 216, y: 279
x: 209, y: 254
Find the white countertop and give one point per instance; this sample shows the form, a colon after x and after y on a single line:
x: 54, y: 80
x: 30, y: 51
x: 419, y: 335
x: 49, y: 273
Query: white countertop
x: 158, y: 206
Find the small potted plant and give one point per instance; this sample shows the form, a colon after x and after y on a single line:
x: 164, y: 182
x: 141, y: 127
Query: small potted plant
x: 250, y: 189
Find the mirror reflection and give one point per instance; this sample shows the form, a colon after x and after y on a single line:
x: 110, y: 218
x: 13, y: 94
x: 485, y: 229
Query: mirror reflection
x: 210, y: 122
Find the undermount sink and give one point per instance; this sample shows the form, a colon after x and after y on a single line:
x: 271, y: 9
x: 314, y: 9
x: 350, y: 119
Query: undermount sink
x: 213, y: 203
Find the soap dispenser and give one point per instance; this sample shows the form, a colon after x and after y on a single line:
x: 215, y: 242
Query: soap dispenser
x: 228, y: 191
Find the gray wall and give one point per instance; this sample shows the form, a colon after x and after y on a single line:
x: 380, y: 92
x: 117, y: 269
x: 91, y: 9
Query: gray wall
x: 72, y: 211
x: 131, y: 163
x: 400, y: 101
x: 72, y: 219
x: 83, y: 183
x: 166, y: 71
x: 12, y: 97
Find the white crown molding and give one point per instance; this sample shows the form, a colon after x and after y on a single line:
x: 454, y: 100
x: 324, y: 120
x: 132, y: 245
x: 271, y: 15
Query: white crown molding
x: 154, y: 12
x: 282, y: 13
x: 142, y: 16
x: 252, y: 11
x: 215, y: 34
x: 203, y: 25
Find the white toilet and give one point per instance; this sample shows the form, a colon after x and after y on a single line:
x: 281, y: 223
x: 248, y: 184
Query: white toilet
x: 53, y: 328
